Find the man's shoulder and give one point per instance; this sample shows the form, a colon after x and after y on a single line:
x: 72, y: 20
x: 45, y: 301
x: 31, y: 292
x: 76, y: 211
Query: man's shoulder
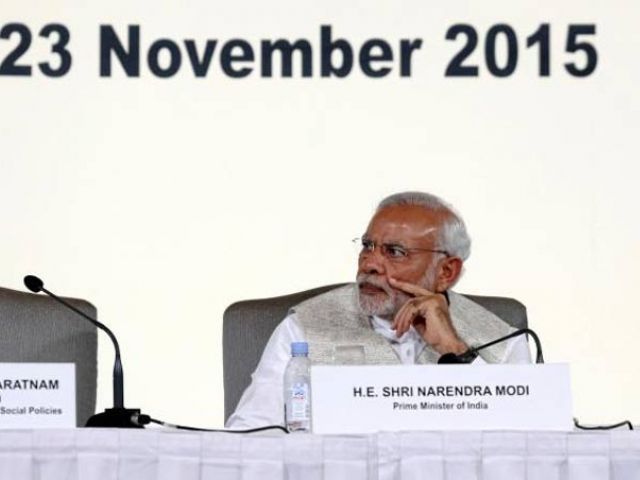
x: 337, y: 309
x: 343, y: 297
x: 462, y: 306
x: 476, y: 326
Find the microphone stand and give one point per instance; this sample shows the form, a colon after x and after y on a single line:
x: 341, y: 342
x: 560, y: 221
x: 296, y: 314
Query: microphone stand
x: 470, y: 354
x: 118, y: 416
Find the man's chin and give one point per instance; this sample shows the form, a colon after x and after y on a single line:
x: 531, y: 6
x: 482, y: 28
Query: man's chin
x: 379, y: 305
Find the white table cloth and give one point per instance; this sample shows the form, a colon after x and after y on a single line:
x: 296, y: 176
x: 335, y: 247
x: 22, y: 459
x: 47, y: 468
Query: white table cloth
x: 106, y: 454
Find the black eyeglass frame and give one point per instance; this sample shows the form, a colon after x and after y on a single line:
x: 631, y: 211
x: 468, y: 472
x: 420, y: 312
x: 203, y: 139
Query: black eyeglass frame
x: 369, y: 246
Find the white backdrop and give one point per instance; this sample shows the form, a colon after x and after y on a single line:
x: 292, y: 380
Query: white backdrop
x: 165, y: 200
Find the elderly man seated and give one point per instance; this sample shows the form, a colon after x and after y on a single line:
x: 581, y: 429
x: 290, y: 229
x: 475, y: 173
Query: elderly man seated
x: 400, y: 310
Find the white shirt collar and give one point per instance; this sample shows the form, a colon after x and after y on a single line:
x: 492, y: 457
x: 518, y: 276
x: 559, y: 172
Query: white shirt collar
x: 383, y: 327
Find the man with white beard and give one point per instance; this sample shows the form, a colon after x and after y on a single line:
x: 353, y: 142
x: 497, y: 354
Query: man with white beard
x: 400, y: 310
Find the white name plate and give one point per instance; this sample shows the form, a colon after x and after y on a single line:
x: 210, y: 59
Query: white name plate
x: 366, y: 399
x: 37, y: 395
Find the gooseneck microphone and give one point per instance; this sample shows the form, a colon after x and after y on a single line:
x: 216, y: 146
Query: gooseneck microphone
x: 118, y: 416
x: 469, y: 355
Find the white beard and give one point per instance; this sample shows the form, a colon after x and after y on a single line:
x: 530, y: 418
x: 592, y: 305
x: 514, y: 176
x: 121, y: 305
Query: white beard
x: 388, y: 305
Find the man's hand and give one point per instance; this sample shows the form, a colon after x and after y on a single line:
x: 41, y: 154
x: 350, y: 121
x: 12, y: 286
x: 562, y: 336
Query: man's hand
x: 428, y: 312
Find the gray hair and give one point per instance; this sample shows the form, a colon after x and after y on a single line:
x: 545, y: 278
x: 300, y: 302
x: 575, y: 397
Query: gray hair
x: 453, y: 236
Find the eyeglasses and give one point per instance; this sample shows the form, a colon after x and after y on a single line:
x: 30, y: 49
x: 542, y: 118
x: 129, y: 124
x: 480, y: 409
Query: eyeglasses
x: 391, y: 251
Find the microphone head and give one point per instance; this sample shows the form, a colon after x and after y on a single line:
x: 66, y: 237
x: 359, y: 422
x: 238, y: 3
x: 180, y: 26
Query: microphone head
x: 33, y: 283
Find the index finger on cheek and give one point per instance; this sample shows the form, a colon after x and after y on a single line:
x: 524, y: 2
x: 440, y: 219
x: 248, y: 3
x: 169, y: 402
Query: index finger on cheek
x: 408, y: 287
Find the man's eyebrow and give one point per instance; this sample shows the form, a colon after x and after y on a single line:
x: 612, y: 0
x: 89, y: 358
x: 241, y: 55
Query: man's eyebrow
x: 397, y: 243
x: 400, y: 243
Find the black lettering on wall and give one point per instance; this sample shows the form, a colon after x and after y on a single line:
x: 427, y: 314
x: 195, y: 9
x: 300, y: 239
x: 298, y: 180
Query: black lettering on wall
x: 228, y: 58
x: 153, y: 58
x: 128, y: 58
x: 200, y: 67
x: 367, y: 57
x: 286, y: 50
x: 328, y: 48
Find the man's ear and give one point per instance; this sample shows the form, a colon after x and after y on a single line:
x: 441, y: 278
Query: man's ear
x: 448, y: 273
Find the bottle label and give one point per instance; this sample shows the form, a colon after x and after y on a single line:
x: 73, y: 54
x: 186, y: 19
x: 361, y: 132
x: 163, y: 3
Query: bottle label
x: 299, y: 401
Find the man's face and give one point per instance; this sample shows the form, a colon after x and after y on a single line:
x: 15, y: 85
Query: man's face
x: 406, y: 226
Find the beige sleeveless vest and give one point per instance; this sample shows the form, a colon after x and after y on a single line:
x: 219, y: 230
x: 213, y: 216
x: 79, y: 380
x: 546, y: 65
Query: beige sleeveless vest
x: 334, y: 318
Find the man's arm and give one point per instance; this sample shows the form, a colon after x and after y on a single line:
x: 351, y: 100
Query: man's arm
x: 516, y: 351
x: 262, y: 403
x: 428, y: 313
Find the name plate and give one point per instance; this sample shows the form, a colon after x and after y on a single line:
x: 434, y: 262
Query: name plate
x: 37, y: 395
x: 367, y: 399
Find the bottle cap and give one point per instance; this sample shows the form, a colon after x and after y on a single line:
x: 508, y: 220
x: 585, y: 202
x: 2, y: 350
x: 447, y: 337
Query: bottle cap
x: 299, y: 348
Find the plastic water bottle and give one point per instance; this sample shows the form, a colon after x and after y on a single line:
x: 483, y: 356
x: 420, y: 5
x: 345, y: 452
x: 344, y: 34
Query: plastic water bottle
x: 297, y: 389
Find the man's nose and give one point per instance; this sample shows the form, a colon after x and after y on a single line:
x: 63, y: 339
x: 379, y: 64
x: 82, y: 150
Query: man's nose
x: 372, y: 263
